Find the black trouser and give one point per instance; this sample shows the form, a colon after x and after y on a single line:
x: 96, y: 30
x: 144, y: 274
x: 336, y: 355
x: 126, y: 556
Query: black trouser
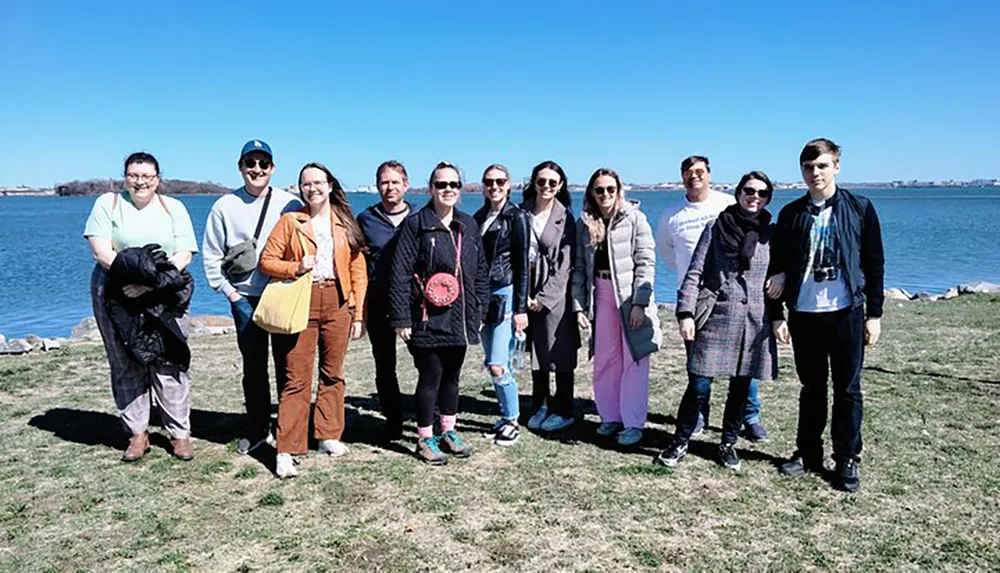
x: 825, y: 344
x: 253, y: 342
x: 437, y: 381
x: 696, y: 395
x: 383, y: 341
x: 562, y: 402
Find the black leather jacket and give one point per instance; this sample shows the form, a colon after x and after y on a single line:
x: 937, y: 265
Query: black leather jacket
x: 506, y: 245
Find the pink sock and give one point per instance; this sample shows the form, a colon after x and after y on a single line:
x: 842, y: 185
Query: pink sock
x: 448, y: 423
x: 425, y: 432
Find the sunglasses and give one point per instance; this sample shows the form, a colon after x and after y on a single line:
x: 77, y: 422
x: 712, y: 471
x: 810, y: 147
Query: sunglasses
x: 751, y: 192
x: 499, y: 181
x: 543, y: 182
x: 605, y: 190
x: 446, y: 184
x: 250, y: 162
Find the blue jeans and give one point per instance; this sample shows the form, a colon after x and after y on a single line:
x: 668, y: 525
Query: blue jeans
x: 696, y: 395
x: 498, y: 347
x: 752, y: 411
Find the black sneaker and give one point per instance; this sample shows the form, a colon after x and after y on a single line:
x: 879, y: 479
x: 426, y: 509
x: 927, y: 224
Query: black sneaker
x: 507, y: 434
x: 727, y: 456
x: 756, y: 433
x: 847, y: 475
x: 800, y: 465
x: 671, y: 456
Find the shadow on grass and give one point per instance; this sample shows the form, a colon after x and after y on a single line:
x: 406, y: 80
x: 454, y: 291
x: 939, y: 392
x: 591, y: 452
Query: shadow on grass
x: 99, y: 428
x: 931, y: 375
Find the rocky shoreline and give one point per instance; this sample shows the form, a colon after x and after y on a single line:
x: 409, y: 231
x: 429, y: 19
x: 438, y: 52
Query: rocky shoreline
x: 211, y: 324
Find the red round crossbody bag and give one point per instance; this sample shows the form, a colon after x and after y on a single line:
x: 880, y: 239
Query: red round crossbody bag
x: 442, y: 289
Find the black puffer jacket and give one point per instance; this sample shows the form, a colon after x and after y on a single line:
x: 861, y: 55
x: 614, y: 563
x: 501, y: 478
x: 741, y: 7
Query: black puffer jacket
x: 506, y: 243
x: 147, y: 325
x: 425, y: 247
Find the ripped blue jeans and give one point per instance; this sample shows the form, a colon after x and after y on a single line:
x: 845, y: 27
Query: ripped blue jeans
x: 498, y: 347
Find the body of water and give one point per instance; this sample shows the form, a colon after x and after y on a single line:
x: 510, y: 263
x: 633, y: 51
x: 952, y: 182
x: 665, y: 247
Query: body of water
x: 934, y: 239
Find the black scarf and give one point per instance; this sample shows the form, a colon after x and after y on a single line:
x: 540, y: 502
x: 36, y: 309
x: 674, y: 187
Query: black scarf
x: 739, y: 233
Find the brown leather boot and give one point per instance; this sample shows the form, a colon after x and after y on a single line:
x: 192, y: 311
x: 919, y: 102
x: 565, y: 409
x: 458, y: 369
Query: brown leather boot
x: 182, y: 449
x: 138, y: 446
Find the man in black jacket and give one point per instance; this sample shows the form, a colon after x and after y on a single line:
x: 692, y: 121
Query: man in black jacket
x: 828, y: 264
x: 380, y: 224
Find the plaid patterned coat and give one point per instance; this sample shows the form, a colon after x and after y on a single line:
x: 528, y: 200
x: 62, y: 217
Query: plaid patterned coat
x: 737, y: 339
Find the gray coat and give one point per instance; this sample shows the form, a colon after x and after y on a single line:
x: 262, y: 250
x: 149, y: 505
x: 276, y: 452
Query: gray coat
x: 632, y: 256
x: 553, y: 332
x: 737, y: 339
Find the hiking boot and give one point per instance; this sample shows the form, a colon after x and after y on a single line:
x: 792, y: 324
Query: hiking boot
x: 428, y: 452
x: 284, y: 466
x: 507, y: 434
x: 630, y: 437
x: 454, y: 445
x: 699, y: 427
x: 538, y: 418
x: 609, y: 429
x: 756, y: 433
x: 847, y: 475
x: 800, y: 465
x: 334, y: 448
x: 727, y: 457
x: 138, y: 446
x: 181, y: 449
x: 555, y: 423
x: 672, y: 456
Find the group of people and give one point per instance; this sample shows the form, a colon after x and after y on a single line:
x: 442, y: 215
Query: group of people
x: 509, y: 276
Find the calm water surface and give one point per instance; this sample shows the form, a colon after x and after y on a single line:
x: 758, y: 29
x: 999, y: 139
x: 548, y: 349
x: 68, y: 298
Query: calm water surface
x: 934, y: 239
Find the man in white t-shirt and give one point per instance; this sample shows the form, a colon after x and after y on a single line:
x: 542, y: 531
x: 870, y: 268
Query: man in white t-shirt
x: 676, y: 237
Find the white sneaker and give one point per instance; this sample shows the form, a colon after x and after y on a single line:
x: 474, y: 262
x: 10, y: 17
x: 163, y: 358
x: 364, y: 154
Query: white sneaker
x: 334, y: 448
x: 536, y: 420
x: 608, y: 429
x: 285, y: 466
x: 555, y: 422
x: 630, y: 437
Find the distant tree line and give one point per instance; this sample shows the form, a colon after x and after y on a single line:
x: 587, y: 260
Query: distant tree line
x: 167, y: 187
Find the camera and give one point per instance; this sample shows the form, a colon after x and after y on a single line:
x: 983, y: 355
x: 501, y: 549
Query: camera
x: 821, y: 274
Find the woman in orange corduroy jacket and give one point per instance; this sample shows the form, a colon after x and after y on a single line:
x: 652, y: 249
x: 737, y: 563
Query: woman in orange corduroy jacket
x: 333, y: 253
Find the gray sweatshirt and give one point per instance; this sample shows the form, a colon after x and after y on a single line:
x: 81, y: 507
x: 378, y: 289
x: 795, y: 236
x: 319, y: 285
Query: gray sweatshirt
x: 232, y: 220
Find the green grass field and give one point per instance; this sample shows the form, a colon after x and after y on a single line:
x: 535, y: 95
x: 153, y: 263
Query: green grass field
x: 930, y: 496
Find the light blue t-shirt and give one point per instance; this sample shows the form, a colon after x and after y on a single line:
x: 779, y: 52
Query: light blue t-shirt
x: 163, y: 221
x: 827, y: 295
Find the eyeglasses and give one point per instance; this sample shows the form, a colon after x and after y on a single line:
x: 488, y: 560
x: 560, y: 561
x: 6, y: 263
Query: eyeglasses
x: 313, y: 184
x: 543, y: 182
x: 610, y: 190
x: 139, y: 177
x: 499, y: 181
x: 440, y: 185
x: 250, y: 162
x: 751, y: 192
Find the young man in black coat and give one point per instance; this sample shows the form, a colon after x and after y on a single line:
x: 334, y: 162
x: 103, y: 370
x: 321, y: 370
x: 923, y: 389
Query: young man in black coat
x: 829, y: 265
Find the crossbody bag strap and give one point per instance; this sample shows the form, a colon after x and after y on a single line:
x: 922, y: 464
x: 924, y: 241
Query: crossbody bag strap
x: 263, y: 213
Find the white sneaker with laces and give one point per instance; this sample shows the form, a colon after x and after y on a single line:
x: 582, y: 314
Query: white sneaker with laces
x: 555, y: 422
x: 334, y: 448
x: 539, y: 417
x: 285, y: 466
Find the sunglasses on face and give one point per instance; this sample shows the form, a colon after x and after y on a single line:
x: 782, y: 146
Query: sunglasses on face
x: 441, y: 185
x: 250, y: 162
x: 499, y: 181
x: 605, y: 190
x: 543, y: 182
x: 751, y: 192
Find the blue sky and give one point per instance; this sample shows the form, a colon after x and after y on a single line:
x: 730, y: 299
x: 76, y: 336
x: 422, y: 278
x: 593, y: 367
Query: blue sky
x: 908, y: 88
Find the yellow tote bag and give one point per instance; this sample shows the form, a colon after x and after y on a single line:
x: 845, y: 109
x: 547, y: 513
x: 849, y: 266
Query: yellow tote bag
x: 284, y: 305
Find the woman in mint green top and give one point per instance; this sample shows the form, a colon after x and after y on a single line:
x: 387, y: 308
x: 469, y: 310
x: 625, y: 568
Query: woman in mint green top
x: 134, y: 217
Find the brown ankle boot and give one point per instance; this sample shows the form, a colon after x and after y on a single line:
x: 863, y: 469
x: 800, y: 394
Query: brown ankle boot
x: 138, y: 446
x: 182, y: 449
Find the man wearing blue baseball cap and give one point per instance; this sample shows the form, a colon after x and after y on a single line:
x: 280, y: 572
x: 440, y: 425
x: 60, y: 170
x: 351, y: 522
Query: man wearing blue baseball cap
x: 237, y: 229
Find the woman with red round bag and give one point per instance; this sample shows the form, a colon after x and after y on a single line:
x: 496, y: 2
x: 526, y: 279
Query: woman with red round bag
x: 438, y: 289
